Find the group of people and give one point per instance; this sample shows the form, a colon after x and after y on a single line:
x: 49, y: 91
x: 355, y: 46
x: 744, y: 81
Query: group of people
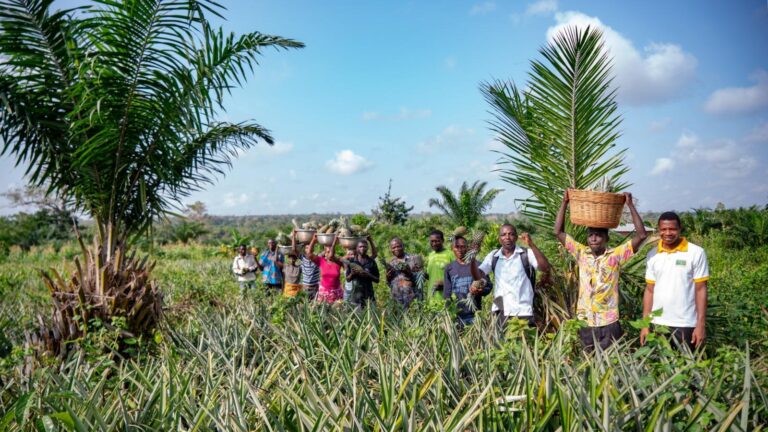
x: 676, y: 276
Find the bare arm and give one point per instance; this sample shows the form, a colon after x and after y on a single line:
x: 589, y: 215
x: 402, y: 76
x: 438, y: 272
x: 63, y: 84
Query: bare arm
x: 699, y: 333
x: 542, y: 261
x: 647, y: 306
x: 374, y: 252
x: 331, y: 256
x: 477, y: 274
x: 559, y: 230
x: 640, y: 233
x: 312, y: 243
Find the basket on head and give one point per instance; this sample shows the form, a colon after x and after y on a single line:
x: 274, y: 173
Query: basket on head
x: 595, y: 209
x: 349, y: 243
x: 326, y: 239
x: 304, y: 235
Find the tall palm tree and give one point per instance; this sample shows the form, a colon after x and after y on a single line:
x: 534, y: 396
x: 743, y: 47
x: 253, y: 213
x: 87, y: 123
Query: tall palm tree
x: 114, y: 106
x: 561, y: 132
x: 467, y: 206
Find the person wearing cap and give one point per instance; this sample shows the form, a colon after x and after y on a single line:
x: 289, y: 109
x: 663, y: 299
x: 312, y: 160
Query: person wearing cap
x: 599, y: 270
x: 676, y: 278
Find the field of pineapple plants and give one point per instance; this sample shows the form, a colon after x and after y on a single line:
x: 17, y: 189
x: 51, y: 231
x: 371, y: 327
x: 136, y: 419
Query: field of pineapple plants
x: 117, y: 110
x: 222, y: 362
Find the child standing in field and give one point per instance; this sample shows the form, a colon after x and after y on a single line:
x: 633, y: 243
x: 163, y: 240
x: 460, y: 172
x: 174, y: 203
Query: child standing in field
x: 292, y: 272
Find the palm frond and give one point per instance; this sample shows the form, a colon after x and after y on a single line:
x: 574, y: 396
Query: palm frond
x: 562, y: 132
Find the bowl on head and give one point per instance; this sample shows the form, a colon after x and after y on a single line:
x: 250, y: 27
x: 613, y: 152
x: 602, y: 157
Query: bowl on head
x: 304, y: 235
x: 350, y: 243
x: 326, y: 239
x: 285, y: 250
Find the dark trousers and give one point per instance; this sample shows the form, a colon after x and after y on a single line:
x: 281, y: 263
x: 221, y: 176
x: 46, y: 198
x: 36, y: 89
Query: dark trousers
x: 603, y: 336
x: 311, y: 290
x: 681, y: 336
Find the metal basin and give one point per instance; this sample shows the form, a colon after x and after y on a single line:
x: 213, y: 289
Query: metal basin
x: 304, y: 235
x: 349, y: 242
x: 326, y: 239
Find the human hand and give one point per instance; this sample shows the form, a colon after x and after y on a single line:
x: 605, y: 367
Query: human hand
x: 699, y: 333
x: 566, y: 196
x: 643, y: 334
x: 628, y: 198
x: 526, y: 238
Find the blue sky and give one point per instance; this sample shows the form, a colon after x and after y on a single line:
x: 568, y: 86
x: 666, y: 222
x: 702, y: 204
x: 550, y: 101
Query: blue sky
x: 390, y: 90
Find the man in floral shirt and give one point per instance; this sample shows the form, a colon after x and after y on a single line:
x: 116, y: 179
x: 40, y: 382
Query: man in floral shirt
x: 599, y: 270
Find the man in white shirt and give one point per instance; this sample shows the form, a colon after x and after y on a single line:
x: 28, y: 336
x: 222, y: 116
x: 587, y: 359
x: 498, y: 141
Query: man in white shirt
x: 245, y: 267
x: 676, y: 282
x: 513, y: 268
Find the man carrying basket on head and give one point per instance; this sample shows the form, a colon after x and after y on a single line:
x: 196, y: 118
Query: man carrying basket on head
x: 599, y: 269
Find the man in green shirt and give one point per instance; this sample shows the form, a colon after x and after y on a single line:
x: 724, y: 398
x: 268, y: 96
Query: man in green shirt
x: 436, y: 262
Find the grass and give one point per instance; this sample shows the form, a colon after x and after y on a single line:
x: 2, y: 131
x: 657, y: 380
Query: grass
x: 221, y: 362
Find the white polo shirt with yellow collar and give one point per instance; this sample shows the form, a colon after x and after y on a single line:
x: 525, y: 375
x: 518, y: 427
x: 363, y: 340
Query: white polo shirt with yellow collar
x: 674, y: 272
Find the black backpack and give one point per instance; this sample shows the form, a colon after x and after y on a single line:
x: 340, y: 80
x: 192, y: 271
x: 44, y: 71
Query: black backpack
x: 527, y: 267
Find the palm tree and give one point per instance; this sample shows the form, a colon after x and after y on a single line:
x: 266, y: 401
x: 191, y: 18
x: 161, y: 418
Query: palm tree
x: 114, y: 106
x: 562, y: 131
x: 467, y: 206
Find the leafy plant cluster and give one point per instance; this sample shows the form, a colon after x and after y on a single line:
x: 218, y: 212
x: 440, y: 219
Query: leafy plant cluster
x: 258, y: 363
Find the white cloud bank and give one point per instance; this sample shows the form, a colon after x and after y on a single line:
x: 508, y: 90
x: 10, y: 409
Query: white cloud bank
x: 657, y: 74
x: 346, y: 162
x: 740, y: 100
x: 541, y: 7
x: 482, y: 8
x: 663, y: 165
x: 724, y: 158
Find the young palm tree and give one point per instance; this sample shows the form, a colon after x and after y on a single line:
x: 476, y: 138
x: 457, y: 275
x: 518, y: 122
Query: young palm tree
x: 467, y: 206
x: 562, y: 131
x: 114, y: 106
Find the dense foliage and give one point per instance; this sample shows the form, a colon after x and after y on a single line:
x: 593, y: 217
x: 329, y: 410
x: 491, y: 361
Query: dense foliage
x: 230, y: 363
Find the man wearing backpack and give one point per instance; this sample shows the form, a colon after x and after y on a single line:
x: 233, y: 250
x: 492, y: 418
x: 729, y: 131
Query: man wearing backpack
x: 514, y: 273
x: 599, y: 270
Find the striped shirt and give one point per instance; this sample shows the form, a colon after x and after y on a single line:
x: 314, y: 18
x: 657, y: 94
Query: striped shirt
x: 310, y: 272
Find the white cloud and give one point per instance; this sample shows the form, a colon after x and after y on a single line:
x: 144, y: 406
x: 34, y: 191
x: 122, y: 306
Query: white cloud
x: 725, y: 158
x: 233, y: 200
x: 662, y: 166
x: 541, y: 7
x: 660, y: 125
x: 658, y: 74
x: 405, y: 113
x: 347, y: 162
x: 740, y: 100
x: 450, y: 62
x: 758, y: 135
x: 452, y: 136
x: 482, y: 8
x: 687, y: 140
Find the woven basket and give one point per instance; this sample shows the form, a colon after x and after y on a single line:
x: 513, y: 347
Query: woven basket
x: 595, y: 209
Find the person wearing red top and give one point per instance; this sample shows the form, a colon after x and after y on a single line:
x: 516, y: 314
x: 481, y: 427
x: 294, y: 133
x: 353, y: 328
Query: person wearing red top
x: 330, y: 272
